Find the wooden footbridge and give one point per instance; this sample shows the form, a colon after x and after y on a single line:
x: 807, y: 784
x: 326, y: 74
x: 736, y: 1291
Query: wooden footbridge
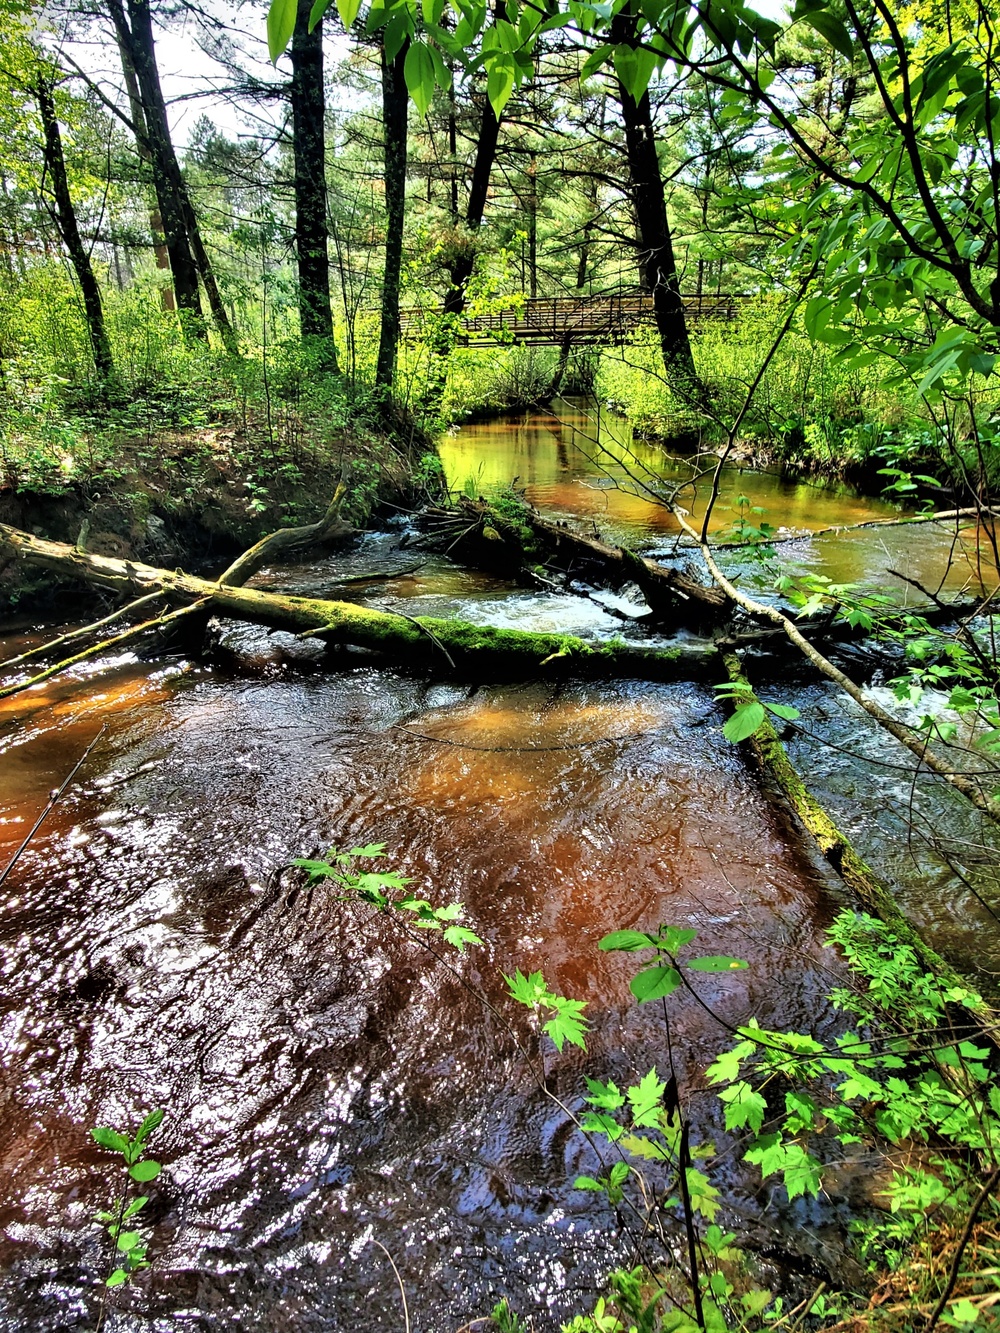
x: 606, y: 318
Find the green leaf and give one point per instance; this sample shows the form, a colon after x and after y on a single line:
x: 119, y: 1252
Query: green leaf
x: 646, y: 1098
x: 135, y: 1206
x: 459, y: 936
x: 744, y: 1107
x: 110, y: 1139
x: 618, y: 1174
x: 145, y: 1171
x: 784, y: 710
x: 704, y: 1195
x: 500, y: 77
x: 672, y: 938
x: 568, y: 1023
x: 280, y: 26
x: 151, y: 1122
x: 745, y: 722
x: 626, y: 940
x: 655, y: 983
x: 317, y: 869
x: 588, y: 1183
x: 650, y: 1150
x: 605, y: 1095
x: 418, y: 71
x: 117, y: 1278
x: 802, y: 1173
x: 527, y: 990
x: 833, y: 31
x: 316, y: 13
x: 128, y: 1240
x: 716, y: 963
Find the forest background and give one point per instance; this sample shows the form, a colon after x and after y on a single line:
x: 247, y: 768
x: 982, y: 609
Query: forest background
x: 243, y: 286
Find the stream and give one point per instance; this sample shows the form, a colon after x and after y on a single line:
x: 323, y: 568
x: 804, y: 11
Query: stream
x: 330, y: 1087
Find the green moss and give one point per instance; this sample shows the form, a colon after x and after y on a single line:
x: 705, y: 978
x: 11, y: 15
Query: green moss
x: 836, y: 848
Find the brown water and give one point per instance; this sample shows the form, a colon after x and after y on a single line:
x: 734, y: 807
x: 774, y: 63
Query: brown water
x: 582, y: 461
x: 328, y: 1084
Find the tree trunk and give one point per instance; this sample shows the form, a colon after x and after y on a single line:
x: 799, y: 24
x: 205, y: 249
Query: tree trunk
x: 207, y: 273
x: 426, y: 642
x: 199, y: 254
x: 657, y: 255
x: 138, y: 118
x: 581, y: 284
x: 533, y: 226
x: 394, y: 117
x: 65, y: 218
x: 309, y: 145
x: 486, y: 151
x: 135, y: 34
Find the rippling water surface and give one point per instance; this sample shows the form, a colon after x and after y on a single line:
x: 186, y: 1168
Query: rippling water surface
x: 329, y: 1083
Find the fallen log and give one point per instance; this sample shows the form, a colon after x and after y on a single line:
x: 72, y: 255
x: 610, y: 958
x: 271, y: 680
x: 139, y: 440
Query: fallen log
x: 840, y: 853
x: 484, y: 534
x: 426, y: 642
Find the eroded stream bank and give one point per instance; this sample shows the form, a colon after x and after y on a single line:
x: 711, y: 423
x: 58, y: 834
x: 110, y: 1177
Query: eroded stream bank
x: 326, y: 1083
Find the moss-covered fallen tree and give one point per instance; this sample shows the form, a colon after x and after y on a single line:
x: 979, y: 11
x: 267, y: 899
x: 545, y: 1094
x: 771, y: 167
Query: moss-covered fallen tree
x: 509, y: 536
x: 427, y: 642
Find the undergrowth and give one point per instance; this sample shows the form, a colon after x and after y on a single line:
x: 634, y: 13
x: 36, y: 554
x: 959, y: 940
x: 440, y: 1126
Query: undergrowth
x: 909, y: 1084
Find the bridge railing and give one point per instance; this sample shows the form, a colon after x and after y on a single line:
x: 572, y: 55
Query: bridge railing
x: 550, y: 319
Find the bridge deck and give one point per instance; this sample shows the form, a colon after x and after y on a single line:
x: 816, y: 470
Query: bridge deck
x: 550, y: 319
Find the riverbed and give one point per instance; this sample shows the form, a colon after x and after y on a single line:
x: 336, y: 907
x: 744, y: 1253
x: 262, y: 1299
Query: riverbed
x: 330, y: 1086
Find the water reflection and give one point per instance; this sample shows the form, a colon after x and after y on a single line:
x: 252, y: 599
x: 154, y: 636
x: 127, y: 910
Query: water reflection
x: 579, y: 460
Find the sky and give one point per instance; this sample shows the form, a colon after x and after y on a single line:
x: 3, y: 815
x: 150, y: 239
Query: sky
x: 188, y: 75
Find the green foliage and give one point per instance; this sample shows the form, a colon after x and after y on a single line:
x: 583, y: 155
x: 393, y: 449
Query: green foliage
x: 663, y: 977
x: 129, y: 1246
x: 749, y: 713
x: 386, y: 891
x: 503, y: 1318
x: 566, y: 1023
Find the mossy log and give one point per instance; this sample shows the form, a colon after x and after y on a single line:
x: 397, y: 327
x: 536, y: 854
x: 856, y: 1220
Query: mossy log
x: 520, y: 538
x: 427, y: 642
x: 836, y: 848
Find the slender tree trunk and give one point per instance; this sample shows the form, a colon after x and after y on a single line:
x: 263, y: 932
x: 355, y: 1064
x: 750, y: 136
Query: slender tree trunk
x: 582, y: 268
x: 65, y: 218
x: 138, y: 118
x: 533, y: 226
x: 135, y: 33
x: 657, y: 257
x: 453, y: 149
x: 309, y: 143
x: 486, y: 151
x: 199, y: 254
x: 394, y: 117
x: 207, y: 273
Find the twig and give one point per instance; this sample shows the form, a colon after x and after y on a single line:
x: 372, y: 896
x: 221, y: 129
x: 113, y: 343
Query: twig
x: 80, y: 633
x: 402, y: 1289
x: 431, y: 635
x: 53, y: 798
x: 806, y: 1306
x: 956, y: 1263
x: 133, y: 633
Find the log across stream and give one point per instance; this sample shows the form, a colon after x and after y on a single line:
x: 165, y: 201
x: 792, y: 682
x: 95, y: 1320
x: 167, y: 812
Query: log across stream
x: 326, y: 1084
